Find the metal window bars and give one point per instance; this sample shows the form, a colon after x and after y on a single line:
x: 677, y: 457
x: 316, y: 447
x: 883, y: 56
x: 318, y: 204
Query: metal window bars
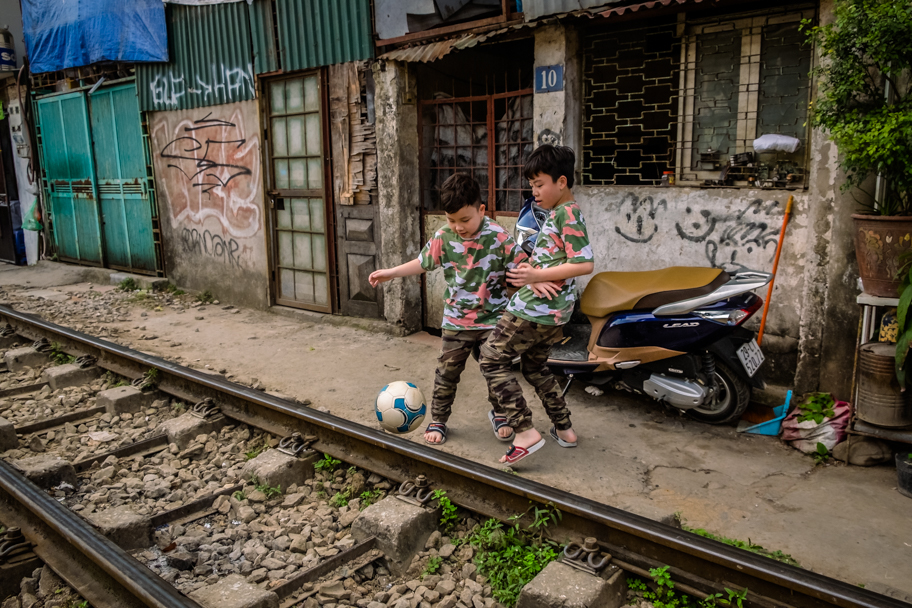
x: 455, y: 136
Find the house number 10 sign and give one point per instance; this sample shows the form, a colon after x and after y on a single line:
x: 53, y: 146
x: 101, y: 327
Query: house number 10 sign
x: 549, y: 78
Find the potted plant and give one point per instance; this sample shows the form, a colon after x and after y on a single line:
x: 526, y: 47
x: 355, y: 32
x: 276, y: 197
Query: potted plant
x: 904, y: 473
x: 864, y: 104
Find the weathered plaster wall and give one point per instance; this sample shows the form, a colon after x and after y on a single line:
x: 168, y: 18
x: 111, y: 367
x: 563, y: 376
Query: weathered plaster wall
x: 209, y: 182
x: 556, y: 115
x: 397, y: 158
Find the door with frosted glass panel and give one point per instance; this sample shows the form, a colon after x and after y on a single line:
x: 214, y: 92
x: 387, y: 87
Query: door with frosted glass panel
x: 301, y: 256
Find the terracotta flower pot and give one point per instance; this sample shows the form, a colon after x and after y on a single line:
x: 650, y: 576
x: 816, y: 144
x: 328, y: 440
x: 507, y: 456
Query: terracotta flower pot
x: 879, y: 243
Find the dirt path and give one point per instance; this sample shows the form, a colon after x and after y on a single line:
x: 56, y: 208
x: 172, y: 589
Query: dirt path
x: 846, y: 522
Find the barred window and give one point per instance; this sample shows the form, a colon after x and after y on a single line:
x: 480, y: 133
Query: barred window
x: 743, y: 78
x: 692, y: 98
x: 630, y: 81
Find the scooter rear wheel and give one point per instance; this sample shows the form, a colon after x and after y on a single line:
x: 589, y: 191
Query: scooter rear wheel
x: 729, y: 402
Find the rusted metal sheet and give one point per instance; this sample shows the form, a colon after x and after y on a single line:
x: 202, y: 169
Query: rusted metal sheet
x: 645, y: 6
x: 435, y: 50
x: 535, y: 9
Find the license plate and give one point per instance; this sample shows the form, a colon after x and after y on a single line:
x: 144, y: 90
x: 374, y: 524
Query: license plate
x: 751, y: 357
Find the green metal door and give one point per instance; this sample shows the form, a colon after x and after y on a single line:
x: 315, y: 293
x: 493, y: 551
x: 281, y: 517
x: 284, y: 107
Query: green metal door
x: 120, y: 171
x: 69, y: 177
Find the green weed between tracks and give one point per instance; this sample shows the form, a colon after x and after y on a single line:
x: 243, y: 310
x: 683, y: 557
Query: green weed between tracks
x: 661, y: 593
x: 369, y: 497
x: 328, y: 463
x: 510, y: 556
x: 448, y: 517
x: 777, y: 555
x: 58, y: 355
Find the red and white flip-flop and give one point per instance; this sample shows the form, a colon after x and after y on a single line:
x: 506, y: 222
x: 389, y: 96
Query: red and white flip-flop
x: 516, y: 453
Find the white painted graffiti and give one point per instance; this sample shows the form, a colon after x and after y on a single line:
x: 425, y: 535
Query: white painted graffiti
x: 222, y: 85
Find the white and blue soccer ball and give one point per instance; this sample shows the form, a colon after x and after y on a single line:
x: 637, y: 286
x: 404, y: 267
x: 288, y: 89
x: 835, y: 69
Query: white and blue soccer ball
x: 400, y: 407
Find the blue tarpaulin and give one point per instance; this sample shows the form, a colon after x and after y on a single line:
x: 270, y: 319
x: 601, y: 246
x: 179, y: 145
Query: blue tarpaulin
x: 74, y: 33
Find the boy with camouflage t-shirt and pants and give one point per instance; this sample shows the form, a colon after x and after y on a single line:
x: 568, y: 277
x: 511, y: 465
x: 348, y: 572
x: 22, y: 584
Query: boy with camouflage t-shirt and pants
x: 475, y: 254
x: 533, y: 321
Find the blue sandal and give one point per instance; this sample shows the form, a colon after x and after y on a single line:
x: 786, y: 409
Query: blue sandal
x: 499, y: 422
x: 437, y: 427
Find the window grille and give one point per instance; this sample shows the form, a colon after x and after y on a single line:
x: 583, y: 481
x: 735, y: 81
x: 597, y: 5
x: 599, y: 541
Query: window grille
x: 742, y: 78
x: 693, y: 97
x: 630, y: 105
x: 455, y: 138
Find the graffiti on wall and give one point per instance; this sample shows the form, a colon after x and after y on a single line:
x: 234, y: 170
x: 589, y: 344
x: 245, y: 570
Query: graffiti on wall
x: 221, y: 85
x: 730, y: 239
x: 211, y: 245
x: 208, y: 175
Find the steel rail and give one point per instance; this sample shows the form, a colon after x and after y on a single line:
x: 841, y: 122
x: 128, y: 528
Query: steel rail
x: 477, y: 487
x: 103, y: 573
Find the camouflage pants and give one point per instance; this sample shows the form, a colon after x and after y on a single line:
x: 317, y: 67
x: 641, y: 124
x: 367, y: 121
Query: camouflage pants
x: 456, y: 348
x: 532, y: 343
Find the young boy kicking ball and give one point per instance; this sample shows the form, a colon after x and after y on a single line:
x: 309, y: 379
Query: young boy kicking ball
x: 532, y: 323
x: 475, y: 254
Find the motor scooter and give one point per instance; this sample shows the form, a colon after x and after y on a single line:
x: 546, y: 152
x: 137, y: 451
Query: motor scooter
x: 675, y: 334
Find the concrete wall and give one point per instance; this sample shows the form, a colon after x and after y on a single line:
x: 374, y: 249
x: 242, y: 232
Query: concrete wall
x: 396, y: 115
x: 211, y: 200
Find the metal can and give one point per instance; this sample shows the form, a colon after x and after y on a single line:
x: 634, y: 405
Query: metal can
x: 7, y: 51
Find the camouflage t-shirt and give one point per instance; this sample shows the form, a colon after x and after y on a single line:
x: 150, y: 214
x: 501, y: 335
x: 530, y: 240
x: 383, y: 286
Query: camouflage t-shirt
x: 476, y: 274
x: 563, y: 239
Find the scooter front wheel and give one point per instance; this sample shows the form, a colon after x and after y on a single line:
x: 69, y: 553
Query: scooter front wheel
x: 728, y: 403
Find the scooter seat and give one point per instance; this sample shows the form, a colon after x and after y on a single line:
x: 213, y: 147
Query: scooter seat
x: 610, y: 292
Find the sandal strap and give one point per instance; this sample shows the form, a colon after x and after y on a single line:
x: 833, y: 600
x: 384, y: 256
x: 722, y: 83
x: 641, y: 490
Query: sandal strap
x: 437, y: 427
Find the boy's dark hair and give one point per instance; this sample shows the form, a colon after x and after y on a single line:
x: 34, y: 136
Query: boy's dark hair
x: 551, y: 160
x: 458, y: 191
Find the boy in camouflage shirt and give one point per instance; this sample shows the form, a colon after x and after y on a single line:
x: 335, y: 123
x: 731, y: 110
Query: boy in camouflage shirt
x: 533, y: 321
x: 475, y: 254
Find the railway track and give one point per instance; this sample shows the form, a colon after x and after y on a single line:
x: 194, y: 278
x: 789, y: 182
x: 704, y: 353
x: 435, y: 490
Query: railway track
x: 107, y: 575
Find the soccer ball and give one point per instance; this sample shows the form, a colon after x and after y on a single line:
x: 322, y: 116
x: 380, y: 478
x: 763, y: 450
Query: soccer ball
x: 400, y: 407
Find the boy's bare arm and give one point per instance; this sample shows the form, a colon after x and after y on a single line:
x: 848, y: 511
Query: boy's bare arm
x: 403, y: 270
x: 525, y: 274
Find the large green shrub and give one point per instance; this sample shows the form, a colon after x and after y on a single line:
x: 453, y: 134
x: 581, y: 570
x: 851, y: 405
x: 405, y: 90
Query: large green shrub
x: 867, y: 49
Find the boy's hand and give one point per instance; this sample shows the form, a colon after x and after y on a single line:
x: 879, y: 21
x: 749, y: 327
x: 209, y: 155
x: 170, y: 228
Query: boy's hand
x: 547, y: 289
x: 524, y: 274
x: 380, y: 276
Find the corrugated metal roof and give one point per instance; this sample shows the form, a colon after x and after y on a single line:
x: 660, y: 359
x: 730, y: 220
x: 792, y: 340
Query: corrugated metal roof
x: 533, y: 9
x: 262, y: 34
x: 211, y: 60
x: 435, y: 50
x: 314, y: 33
x: 644, y: 6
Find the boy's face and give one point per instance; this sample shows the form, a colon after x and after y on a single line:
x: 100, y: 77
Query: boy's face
x: 467, y: 221
x: 547, y: 192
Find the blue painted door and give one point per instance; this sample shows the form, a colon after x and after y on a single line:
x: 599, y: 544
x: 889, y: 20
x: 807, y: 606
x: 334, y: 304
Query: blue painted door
x: 120, y: 170
x: 69, y: 177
